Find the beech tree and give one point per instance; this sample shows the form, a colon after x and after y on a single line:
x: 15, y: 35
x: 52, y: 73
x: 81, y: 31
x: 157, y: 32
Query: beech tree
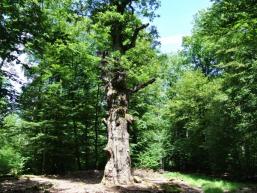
x: 65, y: 81
x: 212, y: 117
x: 125, y: 49
x: 20, y: 22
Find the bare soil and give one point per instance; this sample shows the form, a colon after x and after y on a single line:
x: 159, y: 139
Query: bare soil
x: 90, y: 182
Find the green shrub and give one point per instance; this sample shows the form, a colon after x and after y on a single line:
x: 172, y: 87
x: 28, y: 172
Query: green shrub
x: 151, y: 157
x: 11, y: 162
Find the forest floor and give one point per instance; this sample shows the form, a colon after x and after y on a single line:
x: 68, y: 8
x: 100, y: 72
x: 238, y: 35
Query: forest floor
x: 89, y: 182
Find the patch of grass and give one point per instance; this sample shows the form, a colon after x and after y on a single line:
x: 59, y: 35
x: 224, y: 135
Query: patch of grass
x: 171, y: 188
x: 207, y: 184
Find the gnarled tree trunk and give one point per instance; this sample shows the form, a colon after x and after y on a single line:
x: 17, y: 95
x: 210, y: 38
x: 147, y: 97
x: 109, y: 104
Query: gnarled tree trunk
x: 118, y: 167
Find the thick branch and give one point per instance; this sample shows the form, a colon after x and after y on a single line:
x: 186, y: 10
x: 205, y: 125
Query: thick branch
x: 131, y: 7
x: 103, y: 65
x: 141, y: 86
x: 134, y: 37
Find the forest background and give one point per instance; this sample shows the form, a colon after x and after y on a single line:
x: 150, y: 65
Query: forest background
x: 198, y: 116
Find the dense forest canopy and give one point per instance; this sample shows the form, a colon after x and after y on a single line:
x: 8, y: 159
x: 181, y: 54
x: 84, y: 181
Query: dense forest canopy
x: 97, y: 82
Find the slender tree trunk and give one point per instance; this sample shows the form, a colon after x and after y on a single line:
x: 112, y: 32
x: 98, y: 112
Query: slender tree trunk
x: 43, y: 165
x: 77, y: 152
x: 86, y: 145
x: 118, y: 167
x: 43, y: 162
x: 75, y: 128
x: 96, y: 125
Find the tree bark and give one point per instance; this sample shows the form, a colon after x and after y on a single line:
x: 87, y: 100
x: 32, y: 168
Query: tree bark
x: 96, y: 125
x: 118, y: 167
x: 76, y: 145
x: 86, y: 143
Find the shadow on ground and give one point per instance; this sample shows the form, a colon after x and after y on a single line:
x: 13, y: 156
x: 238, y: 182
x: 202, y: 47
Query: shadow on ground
x: 84, y: 182
x: 89, y: 182
x: 163, y: 188
x: 87, y: 177
x: 23, y: 186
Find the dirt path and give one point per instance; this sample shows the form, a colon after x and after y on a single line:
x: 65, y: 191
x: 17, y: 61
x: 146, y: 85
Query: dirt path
x: 89, y: 182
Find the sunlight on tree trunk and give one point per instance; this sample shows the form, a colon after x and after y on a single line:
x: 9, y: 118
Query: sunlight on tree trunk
x: 118, y: 167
